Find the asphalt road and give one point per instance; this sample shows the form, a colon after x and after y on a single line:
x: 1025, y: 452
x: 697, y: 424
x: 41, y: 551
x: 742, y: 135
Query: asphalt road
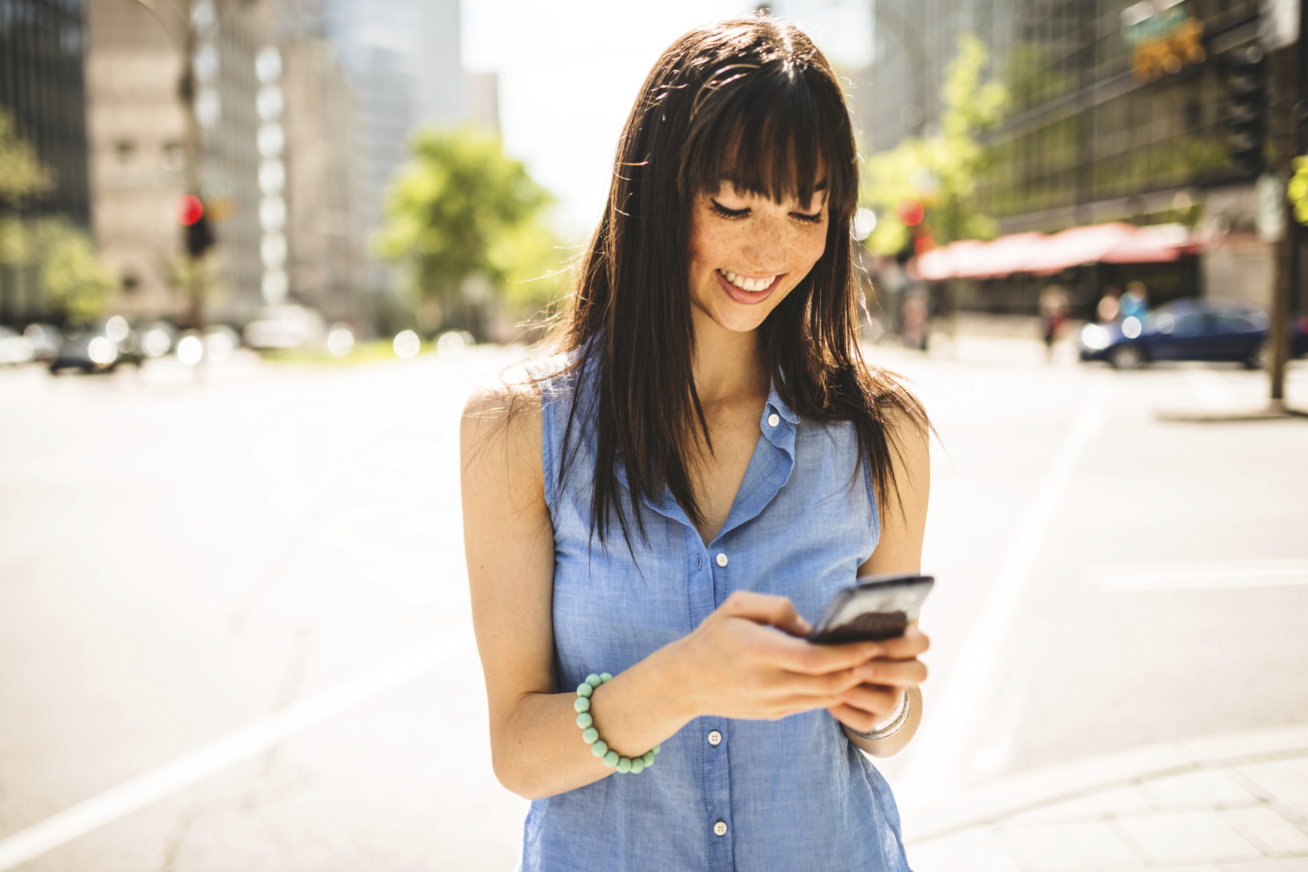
x: 233, y: 610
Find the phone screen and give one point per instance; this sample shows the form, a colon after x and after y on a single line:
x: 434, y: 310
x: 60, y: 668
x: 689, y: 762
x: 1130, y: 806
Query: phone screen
x: 875, y: 608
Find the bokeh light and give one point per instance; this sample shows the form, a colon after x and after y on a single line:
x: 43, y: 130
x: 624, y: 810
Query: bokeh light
x: 407, y: 344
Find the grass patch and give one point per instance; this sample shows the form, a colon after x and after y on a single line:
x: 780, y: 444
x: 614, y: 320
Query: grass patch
x: 372, y: 351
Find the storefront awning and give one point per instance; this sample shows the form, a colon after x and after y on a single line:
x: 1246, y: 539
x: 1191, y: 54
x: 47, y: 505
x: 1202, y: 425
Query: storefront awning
x: 1043, y: 254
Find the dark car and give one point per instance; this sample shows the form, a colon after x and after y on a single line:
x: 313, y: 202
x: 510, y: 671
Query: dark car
x: 99, y: 347
x: 1212, y: 330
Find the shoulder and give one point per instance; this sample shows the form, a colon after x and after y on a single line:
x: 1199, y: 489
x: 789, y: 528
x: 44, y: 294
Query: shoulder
x: 501, y: 423
x: 900, y: 409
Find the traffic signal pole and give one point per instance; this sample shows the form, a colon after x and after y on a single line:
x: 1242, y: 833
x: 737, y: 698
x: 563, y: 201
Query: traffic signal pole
x: 191, y: 151
x: 1289, y: 261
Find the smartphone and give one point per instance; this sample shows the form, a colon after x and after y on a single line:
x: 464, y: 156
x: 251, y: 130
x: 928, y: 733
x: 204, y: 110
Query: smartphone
x: 875, y: 607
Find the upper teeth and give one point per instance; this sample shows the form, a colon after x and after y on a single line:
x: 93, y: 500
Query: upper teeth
x: 745, y: 283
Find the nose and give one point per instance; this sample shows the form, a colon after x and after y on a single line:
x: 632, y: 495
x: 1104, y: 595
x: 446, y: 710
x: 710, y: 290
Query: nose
x: 766, y: 244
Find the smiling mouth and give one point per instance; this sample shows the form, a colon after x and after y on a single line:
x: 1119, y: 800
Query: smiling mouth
x: 751, y: 284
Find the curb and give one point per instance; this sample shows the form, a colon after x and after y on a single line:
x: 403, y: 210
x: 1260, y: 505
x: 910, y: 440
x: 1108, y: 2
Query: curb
x: 1018, y: 794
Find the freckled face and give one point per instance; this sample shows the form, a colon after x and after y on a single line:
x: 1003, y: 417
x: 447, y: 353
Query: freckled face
x: 748, y: 252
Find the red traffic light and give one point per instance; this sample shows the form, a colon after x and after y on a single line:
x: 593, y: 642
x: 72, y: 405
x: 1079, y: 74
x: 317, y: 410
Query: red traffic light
x: 910, y: 213
x: 189, y: 209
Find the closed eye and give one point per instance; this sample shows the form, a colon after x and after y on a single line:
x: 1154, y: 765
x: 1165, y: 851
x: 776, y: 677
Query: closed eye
x: 728, y: 213
x: 815, y: 218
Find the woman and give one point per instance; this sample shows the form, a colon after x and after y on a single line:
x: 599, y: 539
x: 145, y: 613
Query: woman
x: 674, y: 494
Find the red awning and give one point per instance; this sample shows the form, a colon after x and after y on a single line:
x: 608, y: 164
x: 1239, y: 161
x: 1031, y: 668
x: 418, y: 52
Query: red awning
x: 1041, y: 254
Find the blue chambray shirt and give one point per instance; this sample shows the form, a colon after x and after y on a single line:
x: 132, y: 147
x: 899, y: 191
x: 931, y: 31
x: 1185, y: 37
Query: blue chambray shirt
x: 791, y: 794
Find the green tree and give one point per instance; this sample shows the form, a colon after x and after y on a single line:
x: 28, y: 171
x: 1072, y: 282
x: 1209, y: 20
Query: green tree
x: 460, y: 215
x: 73, y: 277
x: 22, y: 176
x: 940, y: 171
x: 69, y: 272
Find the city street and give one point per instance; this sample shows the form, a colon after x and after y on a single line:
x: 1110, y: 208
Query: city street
x: 235, y: 631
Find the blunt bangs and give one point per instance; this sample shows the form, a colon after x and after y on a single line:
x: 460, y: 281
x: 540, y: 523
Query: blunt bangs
x: 777, y: 129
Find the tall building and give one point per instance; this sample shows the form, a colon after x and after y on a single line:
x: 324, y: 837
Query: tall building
x: 1119, y: 110
x: 327, y: 254
x: 41, y: 89
x: 137, y: 61
x: 403, y: 59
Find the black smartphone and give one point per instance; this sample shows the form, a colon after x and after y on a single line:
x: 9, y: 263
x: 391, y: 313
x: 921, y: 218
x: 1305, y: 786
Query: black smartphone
x: 875, y: 607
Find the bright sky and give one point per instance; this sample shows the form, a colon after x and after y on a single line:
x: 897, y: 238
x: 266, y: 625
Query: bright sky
x: 569, y: 71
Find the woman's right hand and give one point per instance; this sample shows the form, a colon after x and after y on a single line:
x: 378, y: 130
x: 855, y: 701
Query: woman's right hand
x: 737, y: 665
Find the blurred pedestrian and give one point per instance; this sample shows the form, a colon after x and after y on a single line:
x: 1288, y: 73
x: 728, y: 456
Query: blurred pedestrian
x: 913, y: 322
x: 706, y: 406
x: 1109, y: 305
x: 1135, y: 302
x: 1053, y: 312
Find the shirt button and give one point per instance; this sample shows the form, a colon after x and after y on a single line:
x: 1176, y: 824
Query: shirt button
x: 722, y: 558
x: 774, y: 419
x: 720, y: 829
x: 715, y: 738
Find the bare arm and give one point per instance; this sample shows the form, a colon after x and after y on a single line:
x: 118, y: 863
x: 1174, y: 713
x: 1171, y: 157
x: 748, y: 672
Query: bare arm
x: 899, y: 550
x: 732, y: 665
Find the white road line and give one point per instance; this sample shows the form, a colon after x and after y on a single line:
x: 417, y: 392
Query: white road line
x: 233, y: 748
x: 1208, y: 575
x: 956, y: 710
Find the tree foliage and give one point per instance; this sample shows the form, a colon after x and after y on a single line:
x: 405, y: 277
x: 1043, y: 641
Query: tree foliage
x: 70, y: 273
x: 22, y: 175
x: 941, y: 170
x: 460, y: 209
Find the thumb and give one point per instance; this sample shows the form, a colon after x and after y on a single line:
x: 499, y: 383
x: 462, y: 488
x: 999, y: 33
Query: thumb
x: 774, y: 611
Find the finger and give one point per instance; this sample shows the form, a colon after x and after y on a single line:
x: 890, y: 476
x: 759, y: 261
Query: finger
x: 873, y: 698
x: 762, y: 608
x: 907, y: 646
x: 829, y: 685
x: 856, y: 719
x: 897, y: 673
x: 805, y: 658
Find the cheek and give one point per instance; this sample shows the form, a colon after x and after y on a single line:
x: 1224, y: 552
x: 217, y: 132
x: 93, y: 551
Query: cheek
x: 810, y: 250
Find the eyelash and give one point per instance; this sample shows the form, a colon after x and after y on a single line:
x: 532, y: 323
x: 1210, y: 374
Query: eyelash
x: 741, y: 213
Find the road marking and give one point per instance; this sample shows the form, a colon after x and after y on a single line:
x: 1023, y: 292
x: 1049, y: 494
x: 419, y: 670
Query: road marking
x: 936, y: 751
x: 1208, y: 575
x: 210, y: 759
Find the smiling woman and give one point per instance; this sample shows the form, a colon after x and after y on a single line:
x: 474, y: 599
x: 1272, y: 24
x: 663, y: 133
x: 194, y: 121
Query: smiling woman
x: 704, y: 400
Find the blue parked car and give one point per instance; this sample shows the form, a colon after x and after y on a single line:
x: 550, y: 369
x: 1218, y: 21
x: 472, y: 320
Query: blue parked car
x: 1198, y: 329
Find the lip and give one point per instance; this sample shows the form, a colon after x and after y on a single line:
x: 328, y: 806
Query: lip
x: 742, y: 296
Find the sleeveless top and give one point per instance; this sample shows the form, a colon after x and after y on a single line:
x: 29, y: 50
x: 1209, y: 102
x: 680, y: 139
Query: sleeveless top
x: 791, y: 794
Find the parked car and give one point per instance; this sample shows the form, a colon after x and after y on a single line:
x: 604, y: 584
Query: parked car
x: 14, y: 347
x: 45, y: 339
x: 99, y: 347
x: 1198, y: 329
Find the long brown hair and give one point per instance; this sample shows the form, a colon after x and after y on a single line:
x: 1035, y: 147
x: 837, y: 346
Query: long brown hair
x: 753, y: 102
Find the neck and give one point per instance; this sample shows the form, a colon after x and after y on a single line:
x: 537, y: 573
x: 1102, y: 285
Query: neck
x: 728, y: 366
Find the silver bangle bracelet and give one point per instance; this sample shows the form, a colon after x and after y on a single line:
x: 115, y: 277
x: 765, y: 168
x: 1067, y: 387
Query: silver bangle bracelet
x: 890, y: 725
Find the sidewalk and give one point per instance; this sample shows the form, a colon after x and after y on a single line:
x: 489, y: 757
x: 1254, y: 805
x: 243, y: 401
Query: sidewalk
x: 1228, y: 804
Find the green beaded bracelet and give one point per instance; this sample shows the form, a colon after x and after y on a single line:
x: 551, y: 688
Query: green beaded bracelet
x: 590, y: 735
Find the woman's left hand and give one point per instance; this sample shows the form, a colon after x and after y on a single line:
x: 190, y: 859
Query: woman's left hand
x: 884, y: 681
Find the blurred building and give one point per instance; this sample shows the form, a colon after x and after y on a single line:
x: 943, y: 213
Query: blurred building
x: 137, y: 61
x: 327, y: 253
x: 1092, y: 134
x: 403, y: 60
x: 41, y: 88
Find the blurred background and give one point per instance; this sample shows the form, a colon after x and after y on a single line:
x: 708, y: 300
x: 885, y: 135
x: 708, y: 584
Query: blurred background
x: 254, y: 254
